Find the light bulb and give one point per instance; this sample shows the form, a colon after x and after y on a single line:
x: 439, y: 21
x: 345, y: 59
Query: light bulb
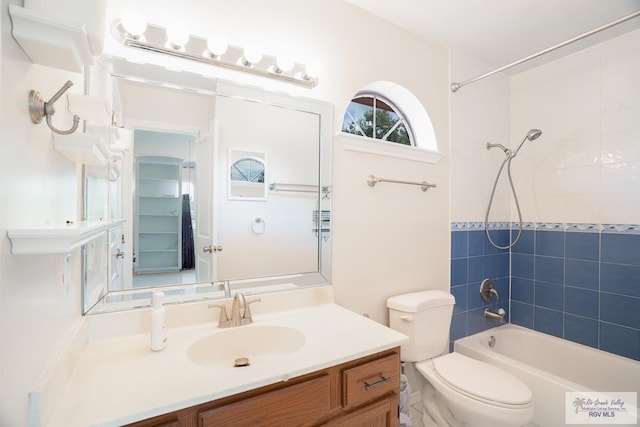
x: 313, y: 70
x: 177, y: 35
x: 217, y: 44
x: 284, y: 63
x: 134, y: 23
x: 252, y: 55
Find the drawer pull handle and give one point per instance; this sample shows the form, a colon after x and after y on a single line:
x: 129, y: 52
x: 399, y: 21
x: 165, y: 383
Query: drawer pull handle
x: 382, y: 380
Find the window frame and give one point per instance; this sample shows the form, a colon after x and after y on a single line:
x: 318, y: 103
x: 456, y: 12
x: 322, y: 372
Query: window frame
x: 392, y: 107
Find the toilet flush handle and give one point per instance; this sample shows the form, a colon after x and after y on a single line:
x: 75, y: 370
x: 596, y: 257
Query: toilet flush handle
x: 407, y: 318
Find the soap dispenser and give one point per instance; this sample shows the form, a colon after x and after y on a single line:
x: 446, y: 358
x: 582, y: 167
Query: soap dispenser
x: 158, y: 331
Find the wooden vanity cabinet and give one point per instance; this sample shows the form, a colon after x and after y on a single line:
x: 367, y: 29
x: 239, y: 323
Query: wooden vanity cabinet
x: 362, y: 392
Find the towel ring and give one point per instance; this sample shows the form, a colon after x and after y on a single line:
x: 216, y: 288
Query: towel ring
x: 257, y: 226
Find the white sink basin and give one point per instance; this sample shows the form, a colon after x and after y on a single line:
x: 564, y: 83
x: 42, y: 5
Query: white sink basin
x: 254, y: 342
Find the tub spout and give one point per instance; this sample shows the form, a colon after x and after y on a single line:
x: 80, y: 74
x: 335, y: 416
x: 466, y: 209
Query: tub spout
x: 499, y: 316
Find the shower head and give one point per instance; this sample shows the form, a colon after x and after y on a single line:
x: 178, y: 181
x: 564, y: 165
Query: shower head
x: 534, y: 134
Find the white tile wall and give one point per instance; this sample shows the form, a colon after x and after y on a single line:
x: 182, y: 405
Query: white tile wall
x: 586, y: 164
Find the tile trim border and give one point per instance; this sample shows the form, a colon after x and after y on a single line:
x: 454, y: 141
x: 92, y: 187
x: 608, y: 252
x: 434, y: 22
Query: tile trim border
x: 551, y: 226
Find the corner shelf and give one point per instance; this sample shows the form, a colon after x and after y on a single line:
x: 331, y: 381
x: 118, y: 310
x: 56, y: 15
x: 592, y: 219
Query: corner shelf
x: 56, y: 239
x: 50, y: 43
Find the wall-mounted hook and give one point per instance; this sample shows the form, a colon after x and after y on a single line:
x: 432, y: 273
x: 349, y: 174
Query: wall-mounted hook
x: 38, y: 109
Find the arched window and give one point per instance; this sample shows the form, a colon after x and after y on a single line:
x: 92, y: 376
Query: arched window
x: 370, y: 115
x: 386, y: 119
x: 248, y: 170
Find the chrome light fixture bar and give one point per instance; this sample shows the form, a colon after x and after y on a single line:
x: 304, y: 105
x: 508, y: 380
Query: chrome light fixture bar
x: 155, y: 39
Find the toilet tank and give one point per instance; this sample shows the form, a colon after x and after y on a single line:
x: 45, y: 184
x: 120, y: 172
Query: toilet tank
x: 425, y: 317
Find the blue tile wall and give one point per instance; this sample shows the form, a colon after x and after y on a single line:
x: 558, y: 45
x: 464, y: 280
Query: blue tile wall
x: 580, y: 283
x: 473, y: 259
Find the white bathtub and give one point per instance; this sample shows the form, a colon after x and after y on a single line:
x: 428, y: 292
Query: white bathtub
x: 551, y: 366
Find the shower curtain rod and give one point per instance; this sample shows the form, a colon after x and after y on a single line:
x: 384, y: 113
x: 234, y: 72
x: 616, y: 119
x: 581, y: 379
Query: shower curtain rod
x: 455, y: 86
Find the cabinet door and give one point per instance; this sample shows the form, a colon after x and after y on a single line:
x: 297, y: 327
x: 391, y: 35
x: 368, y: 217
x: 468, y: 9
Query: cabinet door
x: 169, y: 424
x: 380, y: 414
x: 159, y: 422
x: 303, y: 404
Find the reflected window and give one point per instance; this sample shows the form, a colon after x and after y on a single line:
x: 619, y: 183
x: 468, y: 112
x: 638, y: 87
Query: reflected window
x: 248, y: 170
x: 373, y: 116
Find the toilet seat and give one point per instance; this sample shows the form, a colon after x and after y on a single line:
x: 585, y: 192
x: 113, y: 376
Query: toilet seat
x: 481, y: 381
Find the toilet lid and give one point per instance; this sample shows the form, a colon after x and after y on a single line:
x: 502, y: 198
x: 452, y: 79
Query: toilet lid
x: 481, y: 380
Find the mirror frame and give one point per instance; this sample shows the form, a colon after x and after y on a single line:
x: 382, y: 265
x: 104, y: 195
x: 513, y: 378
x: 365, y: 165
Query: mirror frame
x: 118, y: 68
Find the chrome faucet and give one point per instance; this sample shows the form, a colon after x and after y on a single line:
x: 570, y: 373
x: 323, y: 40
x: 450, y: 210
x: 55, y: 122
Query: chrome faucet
x: 499, y: 315
x: 239, y: 303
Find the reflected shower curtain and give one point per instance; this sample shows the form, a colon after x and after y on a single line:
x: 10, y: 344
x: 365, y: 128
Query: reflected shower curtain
x: 188, y: 256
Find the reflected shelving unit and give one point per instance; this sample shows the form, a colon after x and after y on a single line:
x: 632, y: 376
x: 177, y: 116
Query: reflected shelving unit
x: 158, y: 214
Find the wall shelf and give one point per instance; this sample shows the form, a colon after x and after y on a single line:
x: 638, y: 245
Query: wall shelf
x: 83, y: 148
x: 50, y: 43
x: 56, y: 239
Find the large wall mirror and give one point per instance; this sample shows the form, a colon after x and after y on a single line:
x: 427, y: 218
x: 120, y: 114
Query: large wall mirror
x: 224, y: 188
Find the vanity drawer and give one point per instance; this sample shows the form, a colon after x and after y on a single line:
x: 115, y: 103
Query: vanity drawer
x: 302, y: 404
x: 365, y: 382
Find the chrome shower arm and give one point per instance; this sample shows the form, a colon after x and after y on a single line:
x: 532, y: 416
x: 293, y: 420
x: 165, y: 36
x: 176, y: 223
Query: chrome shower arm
x: 500, y: 146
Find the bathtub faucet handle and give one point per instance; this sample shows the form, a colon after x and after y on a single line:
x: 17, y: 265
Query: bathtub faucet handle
x: 488, y: 290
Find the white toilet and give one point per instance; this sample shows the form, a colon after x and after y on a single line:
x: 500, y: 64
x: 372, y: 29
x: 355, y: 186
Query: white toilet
x: 458, y: 391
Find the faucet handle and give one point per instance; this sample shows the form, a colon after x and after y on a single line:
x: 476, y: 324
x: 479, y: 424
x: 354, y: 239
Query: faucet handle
x: 488, y: 290
x: 247, y: 311
x: 223, y: 313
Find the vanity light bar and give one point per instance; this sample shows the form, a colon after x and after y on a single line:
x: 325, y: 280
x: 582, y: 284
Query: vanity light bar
x: 155, y: 39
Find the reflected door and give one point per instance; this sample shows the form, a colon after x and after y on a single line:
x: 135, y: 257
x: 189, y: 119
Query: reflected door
x: 206, y: 258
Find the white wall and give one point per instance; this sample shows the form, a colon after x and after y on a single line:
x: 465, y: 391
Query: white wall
x: 37, y: 186
x: 586, y: 166
x: 387, y: 240
x: 155, y: 106
x: 479, y: 114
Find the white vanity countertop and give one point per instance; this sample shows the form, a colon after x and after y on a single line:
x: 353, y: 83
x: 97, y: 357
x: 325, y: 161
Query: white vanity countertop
x: 120, y: 380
